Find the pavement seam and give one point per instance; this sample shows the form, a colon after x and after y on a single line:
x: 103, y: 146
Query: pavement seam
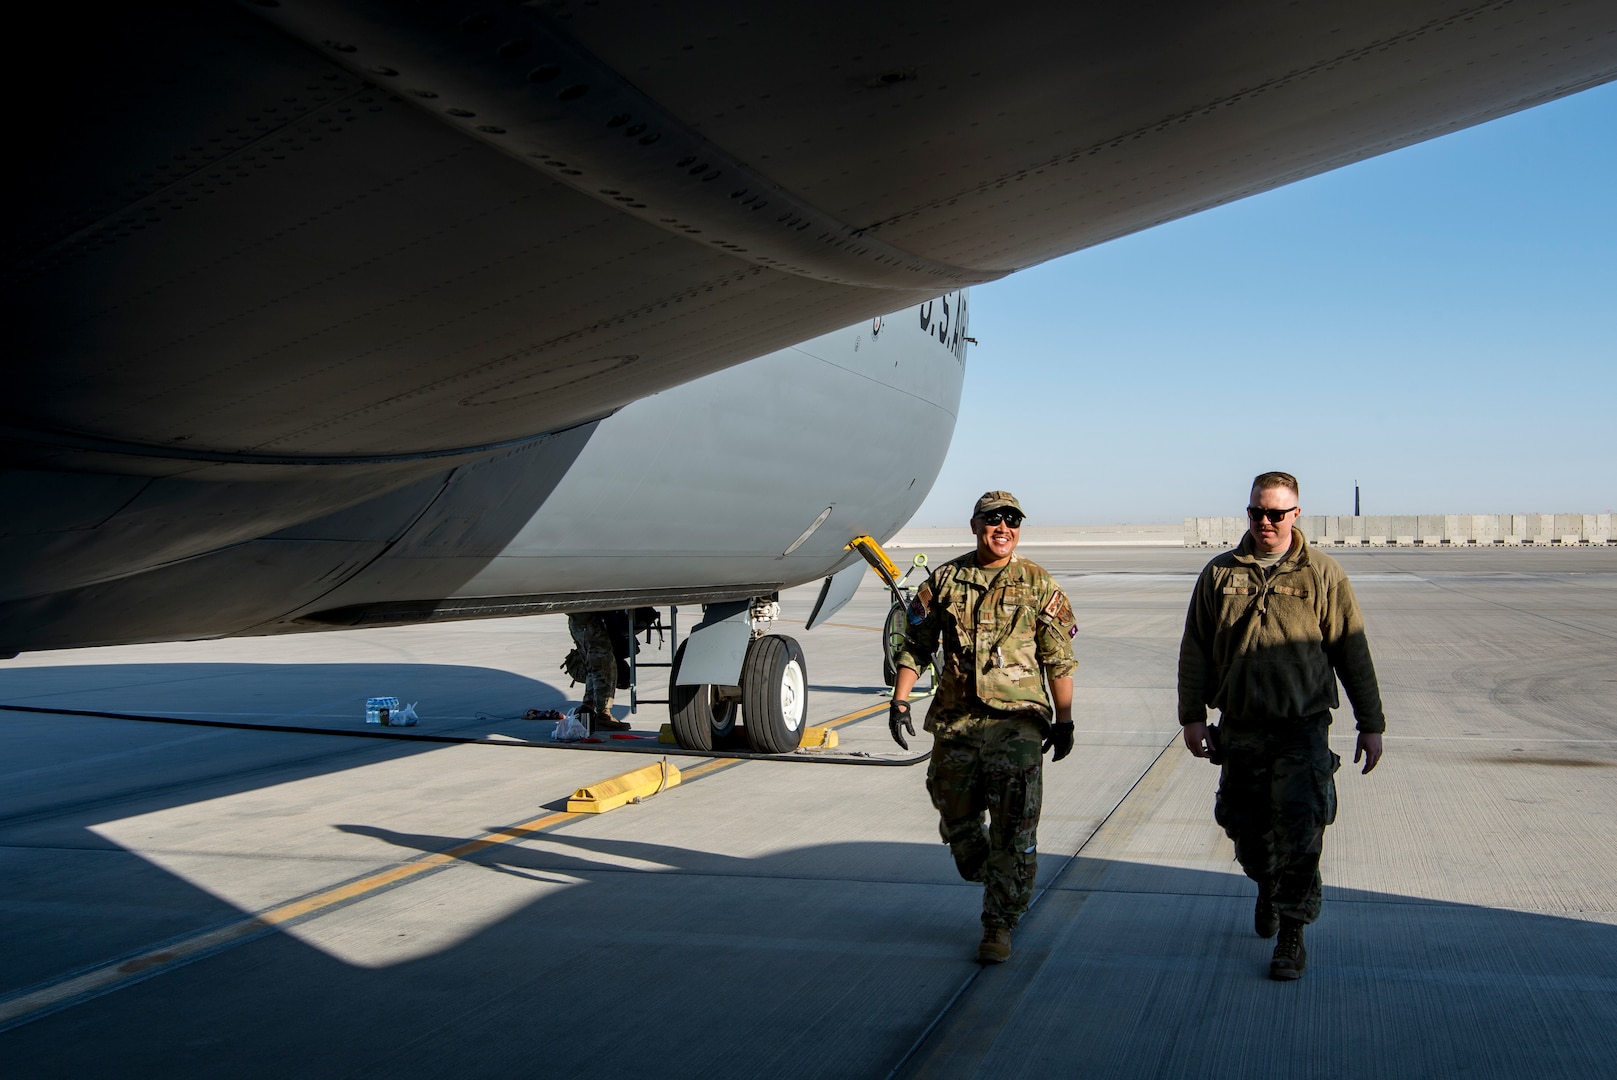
x: 919, y: 1059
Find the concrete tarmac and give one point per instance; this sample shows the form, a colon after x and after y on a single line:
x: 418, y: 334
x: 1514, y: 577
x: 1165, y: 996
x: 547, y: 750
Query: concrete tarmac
x: 183, y: 900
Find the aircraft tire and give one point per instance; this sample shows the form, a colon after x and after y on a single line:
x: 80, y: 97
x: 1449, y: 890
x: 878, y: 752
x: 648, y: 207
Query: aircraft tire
x: 699, y: 717
x: 774, y: 694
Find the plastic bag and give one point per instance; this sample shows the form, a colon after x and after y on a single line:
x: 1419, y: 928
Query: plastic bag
x: 405, y: 717
x: 571, y: 728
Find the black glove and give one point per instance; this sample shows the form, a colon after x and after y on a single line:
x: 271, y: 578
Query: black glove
x: 898, y: 721
x: 1058, y: 735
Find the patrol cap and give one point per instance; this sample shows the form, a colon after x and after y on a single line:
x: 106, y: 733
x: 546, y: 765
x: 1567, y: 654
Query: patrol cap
x: 993, y: 499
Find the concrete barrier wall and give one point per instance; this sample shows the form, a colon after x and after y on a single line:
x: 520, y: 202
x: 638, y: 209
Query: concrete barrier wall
x: 1421, y: 530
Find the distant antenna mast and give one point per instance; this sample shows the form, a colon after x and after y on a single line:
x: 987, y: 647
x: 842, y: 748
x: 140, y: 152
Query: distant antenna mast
x: 1355, y: 498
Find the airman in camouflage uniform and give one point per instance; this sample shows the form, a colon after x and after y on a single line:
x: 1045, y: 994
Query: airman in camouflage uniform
x: 1272, y: 625
x: 600, y: 668
x: 1005, y: 627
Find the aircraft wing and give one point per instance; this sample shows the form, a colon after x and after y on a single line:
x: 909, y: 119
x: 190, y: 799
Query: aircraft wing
x: 274, y: 258
x: 291, y: 231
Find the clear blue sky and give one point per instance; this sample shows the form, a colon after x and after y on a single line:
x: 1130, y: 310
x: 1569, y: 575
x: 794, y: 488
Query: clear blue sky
x: 1439, y: 323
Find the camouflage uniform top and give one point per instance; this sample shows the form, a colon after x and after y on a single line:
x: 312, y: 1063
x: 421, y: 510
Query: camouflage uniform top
x: 1270, y: 646
x: 1002, y: 630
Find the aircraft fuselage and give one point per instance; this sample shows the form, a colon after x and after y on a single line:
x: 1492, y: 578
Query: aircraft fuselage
x: 691, y: 495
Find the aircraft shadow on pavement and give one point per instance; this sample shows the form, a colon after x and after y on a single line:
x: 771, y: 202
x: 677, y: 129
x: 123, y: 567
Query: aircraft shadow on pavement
x: 828, y: 959
x: 833, y: 960
x: 451, y: 696
x: 133, y: 767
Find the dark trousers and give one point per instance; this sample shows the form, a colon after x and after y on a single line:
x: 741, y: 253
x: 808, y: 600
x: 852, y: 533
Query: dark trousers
x: 992, y: 770
x: 1276, y: 794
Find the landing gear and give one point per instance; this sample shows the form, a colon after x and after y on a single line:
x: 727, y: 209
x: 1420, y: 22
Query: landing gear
x: 771, y: 700
x: 702, y: 715
x: 752, y: 677
x: 774, y: 694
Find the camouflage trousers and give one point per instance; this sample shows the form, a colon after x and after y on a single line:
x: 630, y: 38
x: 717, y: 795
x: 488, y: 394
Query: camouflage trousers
x: 600, y: 665
x: 993, y: 768
x: 1276, y: 794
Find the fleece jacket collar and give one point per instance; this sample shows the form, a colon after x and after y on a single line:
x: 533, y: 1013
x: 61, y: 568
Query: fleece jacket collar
x: 1295, y: 559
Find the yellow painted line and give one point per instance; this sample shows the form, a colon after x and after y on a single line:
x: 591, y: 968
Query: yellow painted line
x: 107, y: 977
x: 712, y: 765
x: 869, y: 710
x: 818, y: 737
x: 715, y: 764
x: 297, y: 909
x: 813, y: 737
x: 30, y: 1005
x: 851, y: 626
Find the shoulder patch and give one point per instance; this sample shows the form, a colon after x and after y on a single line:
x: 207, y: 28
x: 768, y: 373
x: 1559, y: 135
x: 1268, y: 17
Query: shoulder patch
x: 1058, y: 608
x: 920, y: 604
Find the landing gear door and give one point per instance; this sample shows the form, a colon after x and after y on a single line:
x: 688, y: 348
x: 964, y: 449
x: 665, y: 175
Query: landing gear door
x: 837, y: 591
x: 717, y: 645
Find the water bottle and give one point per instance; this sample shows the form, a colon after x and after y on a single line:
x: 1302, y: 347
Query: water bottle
x: 380, y: 710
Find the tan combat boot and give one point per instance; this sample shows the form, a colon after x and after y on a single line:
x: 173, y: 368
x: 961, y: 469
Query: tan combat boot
x: 604, y: 721
x: 995, y: 947
x: 1290, y: 959
x: 1265, y: 920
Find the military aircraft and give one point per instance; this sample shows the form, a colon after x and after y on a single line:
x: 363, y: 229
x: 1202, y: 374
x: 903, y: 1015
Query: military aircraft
x: 342, y: 312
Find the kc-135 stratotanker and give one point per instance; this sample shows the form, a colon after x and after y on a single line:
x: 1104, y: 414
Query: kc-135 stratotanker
x: 333, y: 313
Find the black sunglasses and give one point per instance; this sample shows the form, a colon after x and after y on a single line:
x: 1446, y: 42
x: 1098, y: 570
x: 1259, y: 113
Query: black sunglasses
x: 1275, y: 516
x: 1009, y: 517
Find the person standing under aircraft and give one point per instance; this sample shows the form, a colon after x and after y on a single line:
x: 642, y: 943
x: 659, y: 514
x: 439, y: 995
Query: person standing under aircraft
x: 594, y: 643
x: 1272, y: 625
x: 1005, y: 627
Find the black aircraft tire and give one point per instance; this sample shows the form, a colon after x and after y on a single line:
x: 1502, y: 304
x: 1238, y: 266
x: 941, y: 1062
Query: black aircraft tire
x: 774, y: 695
x: 699, y: 718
